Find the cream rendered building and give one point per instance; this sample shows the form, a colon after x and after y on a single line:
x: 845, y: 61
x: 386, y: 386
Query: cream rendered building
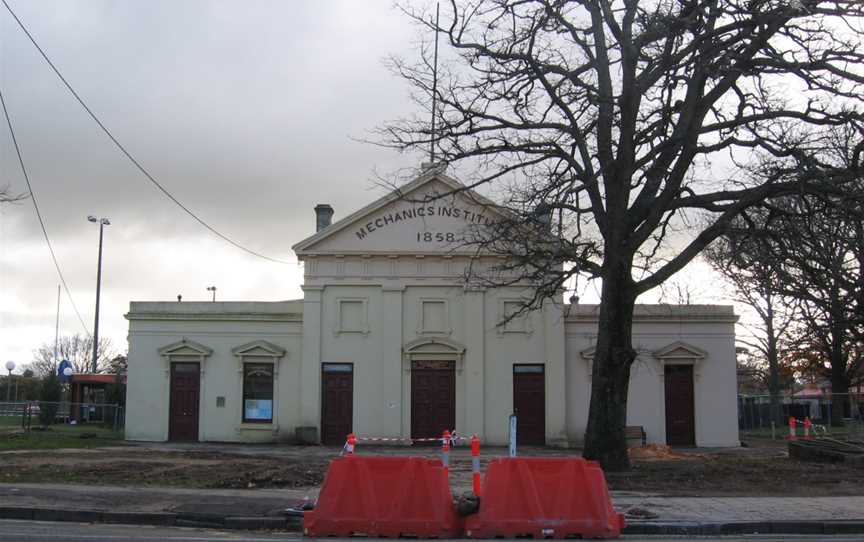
x: 387, y: 342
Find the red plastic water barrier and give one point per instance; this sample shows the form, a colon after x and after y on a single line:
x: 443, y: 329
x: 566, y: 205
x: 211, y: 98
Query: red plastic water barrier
x: 544, y: 497
x: 384, y: 497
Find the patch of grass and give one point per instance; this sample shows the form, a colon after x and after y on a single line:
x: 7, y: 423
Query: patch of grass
x: 10, y: 421
x: 854, y: 430
x: 61, y: 436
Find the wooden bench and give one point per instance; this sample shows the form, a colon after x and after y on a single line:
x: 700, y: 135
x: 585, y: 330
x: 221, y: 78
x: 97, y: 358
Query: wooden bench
x: 635, y: 432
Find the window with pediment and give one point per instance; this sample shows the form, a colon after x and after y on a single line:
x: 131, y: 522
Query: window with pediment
x: 259, y: 382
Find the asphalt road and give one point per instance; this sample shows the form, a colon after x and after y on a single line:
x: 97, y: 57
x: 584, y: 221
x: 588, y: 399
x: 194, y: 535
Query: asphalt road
x: 33, y: 531
x: 39, y: 531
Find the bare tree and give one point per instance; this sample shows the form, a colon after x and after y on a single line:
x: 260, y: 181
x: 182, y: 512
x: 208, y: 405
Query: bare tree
x: 608, y: 120
x: 821, y: 248
x: 748, y: 261
x: 78, y: 349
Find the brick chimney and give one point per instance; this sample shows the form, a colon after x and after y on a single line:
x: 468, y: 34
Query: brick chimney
x: 323, y: 216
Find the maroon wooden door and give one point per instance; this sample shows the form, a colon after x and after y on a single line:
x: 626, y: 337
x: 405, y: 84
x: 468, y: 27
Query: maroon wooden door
x: 433, y: 398
x: 185, y: 395
x: 680, y: 417
x: 529, y: 404
x: 337, y: 402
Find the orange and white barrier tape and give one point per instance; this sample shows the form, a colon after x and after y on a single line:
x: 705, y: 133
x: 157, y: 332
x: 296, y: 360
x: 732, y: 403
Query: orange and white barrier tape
x: 453, y: 439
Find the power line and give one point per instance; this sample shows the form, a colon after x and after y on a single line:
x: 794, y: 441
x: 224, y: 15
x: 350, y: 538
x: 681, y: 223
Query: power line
x: 39, y: 213
x: 132, y: 159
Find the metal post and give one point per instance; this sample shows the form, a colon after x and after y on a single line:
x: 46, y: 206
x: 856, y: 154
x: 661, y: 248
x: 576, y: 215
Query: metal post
x: 513, y: 435
x: 445, y: 451
x: 98, y: 287
x: 9, y: 387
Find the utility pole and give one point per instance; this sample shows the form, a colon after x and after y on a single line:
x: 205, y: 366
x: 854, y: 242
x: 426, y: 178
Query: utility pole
x: 57, y: 326
x: 102, y: 223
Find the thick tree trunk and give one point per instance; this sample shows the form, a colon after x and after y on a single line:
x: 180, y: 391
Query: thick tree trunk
x: 839, y: 398
x: 775, y: 411
x: 839, y: 379
x: 613, y: 356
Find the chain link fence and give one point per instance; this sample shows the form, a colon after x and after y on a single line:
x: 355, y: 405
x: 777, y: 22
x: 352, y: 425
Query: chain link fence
x: 754, y: 415
x: 25, y: 414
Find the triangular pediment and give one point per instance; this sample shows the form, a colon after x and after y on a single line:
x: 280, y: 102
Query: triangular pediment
x: 680, y: 350
x: 259, y: 348
x: 185, y: 348
x: 408, y: 220
x: 434, y: 346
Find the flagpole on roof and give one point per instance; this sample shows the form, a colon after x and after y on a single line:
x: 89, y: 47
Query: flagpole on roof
x: 434, y: 87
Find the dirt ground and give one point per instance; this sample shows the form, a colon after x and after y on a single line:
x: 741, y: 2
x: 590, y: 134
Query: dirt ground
x: 761, y: 470
x: 144, y: 467
x: 766, y: 472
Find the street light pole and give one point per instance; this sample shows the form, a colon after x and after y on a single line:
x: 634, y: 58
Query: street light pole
x: 10, y: 366
x: 212, y: 289
x: 102, y: 223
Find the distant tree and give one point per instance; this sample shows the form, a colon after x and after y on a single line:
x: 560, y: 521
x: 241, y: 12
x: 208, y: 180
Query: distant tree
x: 78, y: 349
x: 745, y: 258
x: 28, y: 386
x: 115, y: 393
x: 118, y: 364
x: 819, y: 242
x: 601, y: 125
x: 754, y: 374
x: 50, y: 394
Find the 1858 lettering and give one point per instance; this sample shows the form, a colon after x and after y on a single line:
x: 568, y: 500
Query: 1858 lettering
x: 439, y: 237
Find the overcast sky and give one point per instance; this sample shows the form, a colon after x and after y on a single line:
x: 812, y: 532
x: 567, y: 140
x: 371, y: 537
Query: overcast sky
x: 248, y: 112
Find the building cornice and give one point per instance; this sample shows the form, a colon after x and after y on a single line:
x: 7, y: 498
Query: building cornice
x: 658, y: 313
x: 217, y: 317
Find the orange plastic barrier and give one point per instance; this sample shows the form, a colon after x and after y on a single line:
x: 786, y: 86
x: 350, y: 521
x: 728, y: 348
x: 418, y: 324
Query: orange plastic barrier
x: 384, y: 497
x: 544, y: 497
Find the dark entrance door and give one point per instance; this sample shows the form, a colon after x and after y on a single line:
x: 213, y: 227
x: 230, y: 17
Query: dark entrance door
x: 433, y: 398
x: 185, y: 392
x: 680, y: 418
x: 529, y: 404
x: 337, y: 402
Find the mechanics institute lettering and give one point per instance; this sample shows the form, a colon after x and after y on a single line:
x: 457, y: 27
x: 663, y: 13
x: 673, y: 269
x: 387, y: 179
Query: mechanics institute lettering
x: 419, y: 213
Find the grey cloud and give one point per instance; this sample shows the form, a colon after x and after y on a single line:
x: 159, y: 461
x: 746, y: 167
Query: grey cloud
x: 245, y: 111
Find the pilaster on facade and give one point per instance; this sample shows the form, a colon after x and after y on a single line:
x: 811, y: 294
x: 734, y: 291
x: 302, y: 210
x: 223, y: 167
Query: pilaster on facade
x: 556, y: 376
x: 392, y: 409
x: 476, y: 399
x: 310, y: 368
